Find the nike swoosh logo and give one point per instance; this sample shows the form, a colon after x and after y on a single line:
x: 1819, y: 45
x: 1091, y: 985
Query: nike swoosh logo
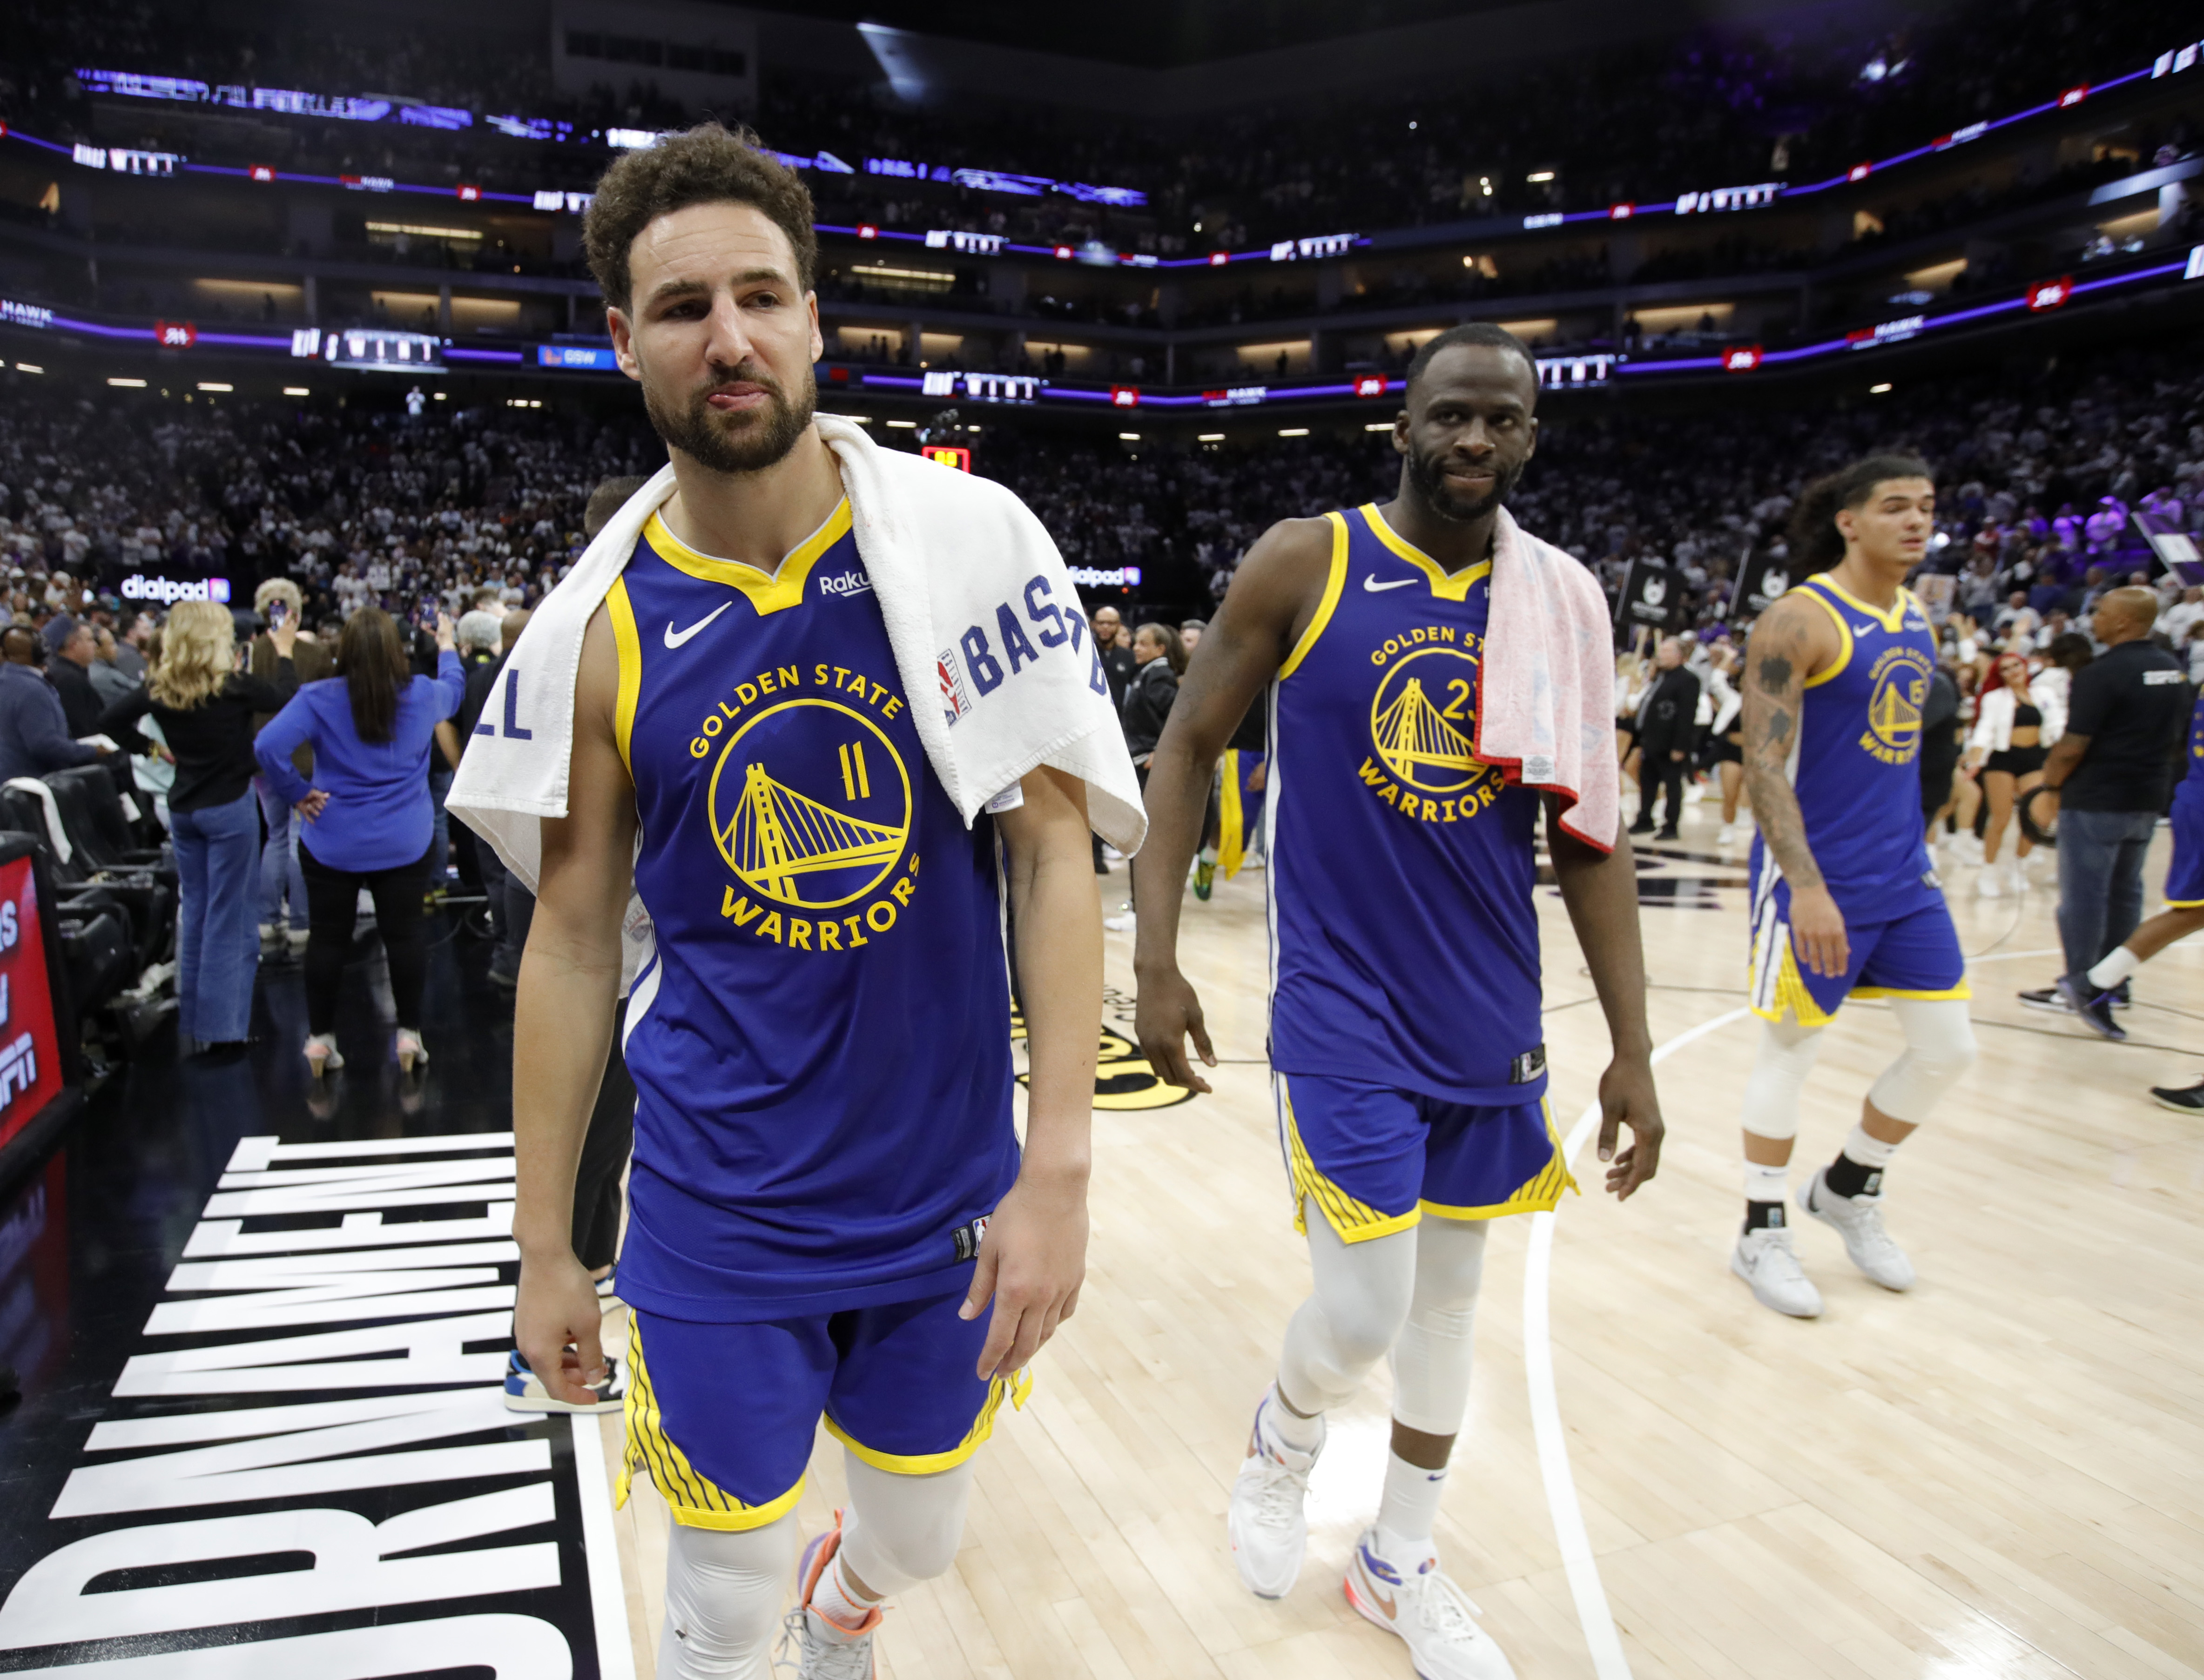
x: 675, y: 638
x: 1861, y: 630
x: 1374, y: 586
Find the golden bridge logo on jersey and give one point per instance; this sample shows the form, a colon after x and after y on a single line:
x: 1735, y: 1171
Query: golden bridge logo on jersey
x: 1899, y: 687
x: 1423, y: 723
x: 811, y: 807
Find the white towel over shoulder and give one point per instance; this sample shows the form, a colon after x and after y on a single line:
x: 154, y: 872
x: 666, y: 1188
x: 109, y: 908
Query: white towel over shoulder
x: 951, y: 557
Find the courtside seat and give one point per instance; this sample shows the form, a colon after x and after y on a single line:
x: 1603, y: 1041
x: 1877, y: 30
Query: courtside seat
x: 92, y: 815
x: 146, y: 907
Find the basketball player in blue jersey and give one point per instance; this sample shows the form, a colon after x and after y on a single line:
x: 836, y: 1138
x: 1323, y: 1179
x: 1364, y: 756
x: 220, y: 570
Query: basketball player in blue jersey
x: 1408, y: 1061
x: 820, y: 1045
x: 1845, y: 902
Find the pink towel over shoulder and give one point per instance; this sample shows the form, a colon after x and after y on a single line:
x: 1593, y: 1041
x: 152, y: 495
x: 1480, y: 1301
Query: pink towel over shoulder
x: 1545, y: 702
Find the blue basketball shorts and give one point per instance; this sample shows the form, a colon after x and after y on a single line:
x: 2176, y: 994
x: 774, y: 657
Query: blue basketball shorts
x: 722, y: 1417
x: 1914, y: 954
x: 2184, y: 871
x: 1374, y: 1160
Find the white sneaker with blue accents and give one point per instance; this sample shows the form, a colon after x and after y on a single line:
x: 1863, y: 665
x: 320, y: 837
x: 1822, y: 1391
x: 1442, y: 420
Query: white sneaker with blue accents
x: 1268, y: 1518
x: 1436, y: 1619
x: 524, y: 1390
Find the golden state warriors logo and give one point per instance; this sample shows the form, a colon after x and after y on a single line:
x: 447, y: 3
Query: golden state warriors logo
x: 1898, y: 688
x: 1423, y: 727
x: 810, y: 804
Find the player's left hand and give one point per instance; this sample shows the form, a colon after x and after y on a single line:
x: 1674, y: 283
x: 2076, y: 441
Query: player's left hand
x: 1626, y: 1098
x: 1032, y: 1262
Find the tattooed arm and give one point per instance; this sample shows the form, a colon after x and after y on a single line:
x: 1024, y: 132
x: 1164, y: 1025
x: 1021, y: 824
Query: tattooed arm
x: 1793, y: 639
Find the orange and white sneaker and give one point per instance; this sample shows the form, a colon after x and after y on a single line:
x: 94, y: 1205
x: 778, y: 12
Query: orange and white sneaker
x: 1436, y: 1617
x: 826, y: 1646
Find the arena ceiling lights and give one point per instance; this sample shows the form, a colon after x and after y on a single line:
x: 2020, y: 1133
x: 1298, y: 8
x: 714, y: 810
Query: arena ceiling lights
x: 1695, y: 201
x: 383, y: 349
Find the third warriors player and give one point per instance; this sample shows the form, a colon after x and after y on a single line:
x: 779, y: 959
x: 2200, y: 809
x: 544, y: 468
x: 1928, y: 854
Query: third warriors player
x: 1405, y: 1034
x: 1844, y: 899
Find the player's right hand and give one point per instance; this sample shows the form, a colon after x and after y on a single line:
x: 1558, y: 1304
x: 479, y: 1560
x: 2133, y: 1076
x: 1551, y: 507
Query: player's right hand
x: 1166, y: 1012
x: 1817, y: 931
x: 555, y: 1320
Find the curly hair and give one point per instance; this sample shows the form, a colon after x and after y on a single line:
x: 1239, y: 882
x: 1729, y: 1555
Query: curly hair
x: 1814, y: 538
x: 706, y: 165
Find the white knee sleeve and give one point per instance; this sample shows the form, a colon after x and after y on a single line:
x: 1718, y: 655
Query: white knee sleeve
x: 1780, y: 1068
x: 1351, y: 1322
x: 1940, y: 1046
x: 723, y: 1592
x: 903, y: 1529
x: 1431, y: 1360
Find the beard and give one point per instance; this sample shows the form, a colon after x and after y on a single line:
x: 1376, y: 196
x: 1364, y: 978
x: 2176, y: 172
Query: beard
x: 747, y: 442
x: 1426, y: 473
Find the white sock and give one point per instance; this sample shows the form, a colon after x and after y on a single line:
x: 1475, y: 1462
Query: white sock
x: 1407, y: 1511
x: 1289, y: 1428
x: 1767, y: 1183
x: 1866, y: 1150
x: 841, y: 1613
x: 2114, y: 969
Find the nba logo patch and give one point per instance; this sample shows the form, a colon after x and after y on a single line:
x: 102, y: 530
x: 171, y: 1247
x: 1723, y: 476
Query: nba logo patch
x: 969, y: 1236
x: 954, y: 702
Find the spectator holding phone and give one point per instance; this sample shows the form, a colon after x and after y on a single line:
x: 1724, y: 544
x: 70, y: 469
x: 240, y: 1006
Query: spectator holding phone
x: 369, y: 817
x: 282, y: 885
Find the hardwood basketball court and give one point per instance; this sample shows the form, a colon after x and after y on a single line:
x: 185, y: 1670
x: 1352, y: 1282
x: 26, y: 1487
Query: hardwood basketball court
x: 1999, y: 1475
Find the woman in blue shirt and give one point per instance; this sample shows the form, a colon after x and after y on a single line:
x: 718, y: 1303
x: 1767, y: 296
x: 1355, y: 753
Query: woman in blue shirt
x: 369, y: 820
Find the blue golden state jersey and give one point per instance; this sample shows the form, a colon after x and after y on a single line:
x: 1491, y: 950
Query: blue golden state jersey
x: 1404, y: 942
x: 2191, y: 786
x: 821, y: 1046
x: 1855, y: 763
x: 2184, y: 870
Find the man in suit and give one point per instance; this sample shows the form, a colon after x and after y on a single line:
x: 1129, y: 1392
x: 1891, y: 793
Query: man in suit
x: 1666, y: 718
x: 73, y: 647
x: 34, y: 735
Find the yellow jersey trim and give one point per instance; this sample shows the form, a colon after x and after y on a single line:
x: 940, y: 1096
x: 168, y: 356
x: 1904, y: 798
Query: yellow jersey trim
x: 1333, y: 584
x: 1962, y: 990
x: 1843, y: 636
x: 1792, y: 997
x: 1356, y: 1221
x: 695, y: 1501
x: 621, y: 611
x: 1231, y: 818
x: 766, y: 593
x: 2185, y: 904
x: 1446, y: 585
x: 1014, y: 1388
x: 1541, y: 1193
x: 1892, y: 620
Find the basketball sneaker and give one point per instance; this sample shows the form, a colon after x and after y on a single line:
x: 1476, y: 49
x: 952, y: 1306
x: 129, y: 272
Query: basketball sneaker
x: 1268, y: 1519
x: 1765, y: 1259
x: 1434, y: 1617
x: 826, y: 1647
x: 1859, y: 1221
x: 524, y: 1390
x: 2183, y: 1099
x: 2093, y: 1006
